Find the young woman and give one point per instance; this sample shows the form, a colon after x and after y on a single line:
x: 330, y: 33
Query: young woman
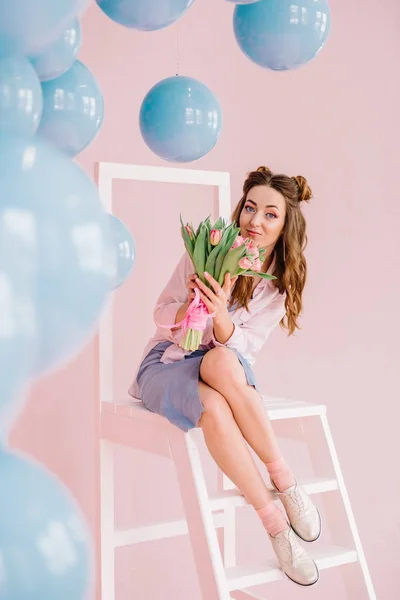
x: 214, y: 387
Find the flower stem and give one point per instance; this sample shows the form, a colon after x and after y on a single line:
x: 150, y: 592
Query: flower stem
x: 192, y: 340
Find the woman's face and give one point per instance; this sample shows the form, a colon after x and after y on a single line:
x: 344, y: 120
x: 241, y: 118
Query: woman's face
x: 263, y: 216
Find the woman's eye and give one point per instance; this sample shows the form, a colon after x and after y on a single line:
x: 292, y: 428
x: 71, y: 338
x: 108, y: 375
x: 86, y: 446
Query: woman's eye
x: 271, y: 215
x: 249, y: 208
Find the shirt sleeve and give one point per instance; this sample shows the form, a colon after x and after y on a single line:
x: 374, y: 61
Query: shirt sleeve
x: 248, y: 338
x: 174, y: 294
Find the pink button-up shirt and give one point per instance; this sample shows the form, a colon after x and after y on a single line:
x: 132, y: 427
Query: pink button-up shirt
x: 251, y: 328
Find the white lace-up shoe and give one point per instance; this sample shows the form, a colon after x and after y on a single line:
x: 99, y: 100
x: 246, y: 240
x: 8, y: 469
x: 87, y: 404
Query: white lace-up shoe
x: 293, y: 559
x: 301, y: 511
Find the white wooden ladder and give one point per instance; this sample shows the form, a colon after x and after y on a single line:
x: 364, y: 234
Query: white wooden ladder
x: 210, y: 521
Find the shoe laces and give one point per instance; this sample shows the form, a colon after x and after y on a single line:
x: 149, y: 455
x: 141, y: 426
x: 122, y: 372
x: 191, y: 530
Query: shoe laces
x: 291, y: 547
x: 297, y: 499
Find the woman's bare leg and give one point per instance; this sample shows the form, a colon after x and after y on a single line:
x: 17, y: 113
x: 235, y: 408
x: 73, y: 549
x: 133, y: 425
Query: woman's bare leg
x: 228, y: 447
x: 233, y: 412
x: 222, y: 371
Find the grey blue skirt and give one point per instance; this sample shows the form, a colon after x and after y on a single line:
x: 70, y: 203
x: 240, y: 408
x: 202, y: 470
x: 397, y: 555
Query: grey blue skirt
x: 172, y: 389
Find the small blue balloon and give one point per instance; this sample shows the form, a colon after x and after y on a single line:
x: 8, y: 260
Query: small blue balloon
x: 27, y: 27
x: 45, y: 548
x: 282, y: 34
x: 21, y: 99
x: 73, y: 110
x: 146, y: 16
x: 57, y: 58
x: 124, y: 247
x: 180, y: 119
x: 67, y: 241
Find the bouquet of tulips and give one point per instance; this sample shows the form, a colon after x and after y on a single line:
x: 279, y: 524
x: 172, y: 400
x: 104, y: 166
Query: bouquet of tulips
x: 217, y: 249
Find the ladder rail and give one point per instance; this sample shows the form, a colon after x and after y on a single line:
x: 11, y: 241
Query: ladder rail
x: 210, y: 568
x: 348, y: 507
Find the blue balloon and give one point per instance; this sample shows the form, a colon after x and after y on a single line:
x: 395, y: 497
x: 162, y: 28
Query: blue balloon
x: 67, y: 241
x: 27, y: 27
x: 73, y: 110
x: 180, y: 119
x: 125, y: 249
x: 21, y: 99
x: 45, y: 548
x: 57, y: 58
x: 17, y: 314
x: 282, y: 34
x: 147, y: 16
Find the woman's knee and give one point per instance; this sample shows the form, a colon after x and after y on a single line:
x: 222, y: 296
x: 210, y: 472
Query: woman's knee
x: 216, y: 409
x: 221, y: 363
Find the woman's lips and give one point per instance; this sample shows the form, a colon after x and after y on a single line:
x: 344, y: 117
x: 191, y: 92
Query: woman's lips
x: 255, y: 233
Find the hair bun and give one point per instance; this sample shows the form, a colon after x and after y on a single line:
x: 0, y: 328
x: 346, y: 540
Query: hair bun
x: 264, y: 170
x: 305, y: 192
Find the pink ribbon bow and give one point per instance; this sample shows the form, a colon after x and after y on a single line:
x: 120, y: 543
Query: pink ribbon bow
x: 196, y: 315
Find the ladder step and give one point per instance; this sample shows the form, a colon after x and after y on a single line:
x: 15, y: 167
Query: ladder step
x: 233, y: 497
x: 157, y: 531
x: 242, y: 577
x: 277, y: 408
x: 283, y: 408
x: 245, y: 595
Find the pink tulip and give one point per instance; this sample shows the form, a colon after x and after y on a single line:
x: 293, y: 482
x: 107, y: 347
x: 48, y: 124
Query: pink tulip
x: 238, y: 242
x: 253, y: 250
x: 257, y: 265
x: 215, y: 236
x: 245, y: 263
x: 189, y: 231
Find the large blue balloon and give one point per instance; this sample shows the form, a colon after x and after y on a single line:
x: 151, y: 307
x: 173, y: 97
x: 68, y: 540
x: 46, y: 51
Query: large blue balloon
x: 180, y: 119
x: 67, y: 240
x: 146, y: 15
x: 73, y: 110
x: 125, y: 249
x: 21, y: 100
x: 45, y: 548
x: 282, y: 34
x: 28, y: 26
x: 57, y: 58
x: 17, y: 315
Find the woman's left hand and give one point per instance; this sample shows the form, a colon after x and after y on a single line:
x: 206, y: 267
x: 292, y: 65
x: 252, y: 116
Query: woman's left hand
x: 216, y: 300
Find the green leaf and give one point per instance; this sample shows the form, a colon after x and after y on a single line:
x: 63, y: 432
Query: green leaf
x: 232, y: 233
x: 228, y: 237
x: 262, y: 254
x: 219, y: 224
x: 208, y: 226
x: 231, y: 262
x: 224, y: 246
x: 199, y: 253
x: 255, y: 274
x: 189, y: 243
x: 212, y: 257
x: 201, y: 224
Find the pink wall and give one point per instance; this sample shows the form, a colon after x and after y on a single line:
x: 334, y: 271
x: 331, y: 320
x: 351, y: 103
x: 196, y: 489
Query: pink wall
x: 336, y: 121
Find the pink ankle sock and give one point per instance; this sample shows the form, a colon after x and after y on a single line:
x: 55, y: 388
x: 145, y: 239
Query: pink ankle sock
x: 272, y: 519
x: 280, y: 474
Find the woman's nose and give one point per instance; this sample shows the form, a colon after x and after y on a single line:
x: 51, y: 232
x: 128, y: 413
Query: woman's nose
x: 256, y: 220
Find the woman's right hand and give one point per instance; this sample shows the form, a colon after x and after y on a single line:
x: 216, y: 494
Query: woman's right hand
x: 191, y: 285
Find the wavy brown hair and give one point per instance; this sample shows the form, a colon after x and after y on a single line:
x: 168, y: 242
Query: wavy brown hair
x: 290, y: 266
